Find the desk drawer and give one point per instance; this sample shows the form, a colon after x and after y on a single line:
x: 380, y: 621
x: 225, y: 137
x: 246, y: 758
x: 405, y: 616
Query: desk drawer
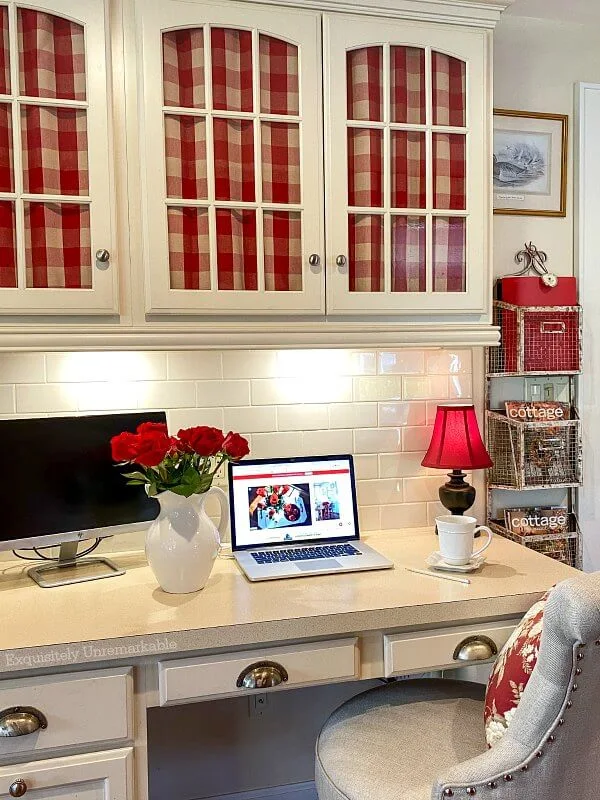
x: 187, y: 679
x: 435, y: 649
x: 80, y: 708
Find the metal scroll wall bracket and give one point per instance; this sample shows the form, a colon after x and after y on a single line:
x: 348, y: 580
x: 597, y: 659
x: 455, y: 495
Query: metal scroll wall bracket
x: 534, y: 260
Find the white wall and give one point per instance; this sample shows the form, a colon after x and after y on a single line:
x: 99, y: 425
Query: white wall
x: 536, y: 64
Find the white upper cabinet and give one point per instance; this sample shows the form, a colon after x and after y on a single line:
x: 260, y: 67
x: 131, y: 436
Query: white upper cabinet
x: 55, y: 159
x: 407, y: 167
x: 232, y: 158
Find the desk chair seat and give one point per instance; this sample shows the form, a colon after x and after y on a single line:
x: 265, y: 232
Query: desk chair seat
x: 415, y: 740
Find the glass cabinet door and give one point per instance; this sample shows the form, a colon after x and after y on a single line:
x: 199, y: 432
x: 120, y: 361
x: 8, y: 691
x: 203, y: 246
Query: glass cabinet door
x: 406, y: 145
x: 233, y: 187
x: 55, y: 197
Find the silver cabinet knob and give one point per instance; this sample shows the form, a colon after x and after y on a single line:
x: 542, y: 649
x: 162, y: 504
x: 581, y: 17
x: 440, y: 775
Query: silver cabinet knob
x: 314, y: 259
x: 262, y: 675
x: 341, y: 260
x: 475, y: 648
x: 17, y: 788
x: 102, y: 256
x: 21, y: 721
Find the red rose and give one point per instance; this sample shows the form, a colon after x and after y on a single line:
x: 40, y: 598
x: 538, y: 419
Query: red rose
x: 204, y: 440
x: 124, y: 447
x: 235, y: 446
x: 152, y: 448
x: 261, y: 492
x: 274, y: 499
x: 152, y: 427
x: 286, y: 489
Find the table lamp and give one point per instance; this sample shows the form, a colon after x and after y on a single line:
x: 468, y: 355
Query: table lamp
x: 456, y: 444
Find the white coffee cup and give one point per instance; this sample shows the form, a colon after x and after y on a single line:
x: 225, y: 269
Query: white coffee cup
x: 456, y: 534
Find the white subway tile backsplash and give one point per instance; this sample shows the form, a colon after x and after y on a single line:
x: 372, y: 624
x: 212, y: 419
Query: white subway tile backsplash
x: 406, y: 515
x: 402, y: 413
x: 416, y: 438
x: 250, y: 419
x: 302, y: 417
x: 185, y: 365
x: 435, y: 509
x: 353, y: 415
x: 110, y: 366
x: 380, y: 492
x: 377, y: 440
x: 166, y: 394
x: 378, y: 405
x: 382, y: 387
x: 308, y: 389
x: 223, y: 393
x: 192, y: 417
x: 22, y: 368
x: 402, y: 362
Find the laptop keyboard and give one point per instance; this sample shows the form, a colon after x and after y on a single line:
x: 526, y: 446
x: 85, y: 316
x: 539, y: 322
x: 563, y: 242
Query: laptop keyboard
x: 305, y: 553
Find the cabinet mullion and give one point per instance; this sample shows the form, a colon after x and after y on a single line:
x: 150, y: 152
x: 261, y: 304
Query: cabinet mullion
x: 210, y: 160
x: 17, y: 146
x: 260, y: 245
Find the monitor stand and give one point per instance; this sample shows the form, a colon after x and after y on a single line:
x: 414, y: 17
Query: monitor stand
x: 70, y: 569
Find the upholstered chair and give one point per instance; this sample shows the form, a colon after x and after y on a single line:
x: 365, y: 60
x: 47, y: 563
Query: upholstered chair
x: 421, y: 739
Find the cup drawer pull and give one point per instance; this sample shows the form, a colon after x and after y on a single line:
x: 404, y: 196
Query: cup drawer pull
x: 475, y: 648
x: 21, y: 721
x: 262, y: 675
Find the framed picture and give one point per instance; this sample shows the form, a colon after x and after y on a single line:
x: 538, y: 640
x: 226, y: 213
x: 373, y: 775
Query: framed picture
x: 530, y: 163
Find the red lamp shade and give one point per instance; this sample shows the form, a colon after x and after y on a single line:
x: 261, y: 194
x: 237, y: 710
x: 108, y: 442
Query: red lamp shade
x: 456, y: 441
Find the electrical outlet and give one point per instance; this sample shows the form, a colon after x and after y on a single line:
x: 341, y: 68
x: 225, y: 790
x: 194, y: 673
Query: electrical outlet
x: 548, y: 391
x: 257, y: 705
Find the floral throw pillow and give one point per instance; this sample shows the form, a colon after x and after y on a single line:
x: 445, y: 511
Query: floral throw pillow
x: 511, y: 672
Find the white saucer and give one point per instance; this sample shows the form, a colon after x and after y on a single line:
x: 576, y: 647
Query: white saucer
x: 436, y: 561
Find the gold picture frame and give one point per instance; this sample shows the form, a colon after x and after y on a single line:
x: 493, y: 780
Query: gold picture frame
x: 530, y: 163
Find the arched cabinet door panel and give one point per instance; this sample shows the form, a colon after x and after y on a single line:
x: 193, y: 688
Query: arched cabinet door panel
x: 232, y: 187
x: 407, y: 163
x: 56, y: 196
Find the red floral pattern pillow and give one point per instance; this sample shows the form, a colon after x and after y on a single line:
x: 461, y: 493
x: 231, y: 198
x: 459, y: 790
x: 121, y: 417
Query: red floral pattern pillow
x: 511, y: 672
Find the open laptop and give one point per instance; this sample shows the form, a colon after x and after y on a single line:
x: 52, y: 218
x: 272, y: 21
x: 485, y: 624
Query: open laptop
x: 297, y: 516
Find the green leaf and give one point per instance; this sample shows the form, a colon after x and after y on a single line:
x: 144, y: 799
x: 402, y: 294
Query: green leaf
x: 135, y: 475
x: 135, y: 482
x: 183, y: 489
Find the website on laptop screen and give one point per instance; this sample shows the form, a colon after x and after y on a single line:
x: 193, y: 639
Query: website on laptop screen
x: 291, y: 502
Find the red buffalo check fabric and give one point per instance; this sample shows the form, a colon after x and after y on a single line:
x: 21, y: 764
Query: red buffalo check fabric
x: 449, y: 167
x: 364, y: 83
x: 51, y: 56
x: 185, y: 151
x: 57, y: 246
x: 54, y: 150
x: 365, y: 167
x: 183, y: 68
x: 448, y: 90
x: 283, y: 251
x: 189, y: 259
x: 6, y: 149
x: 280, y: 145
x: 279, y: 86
x: 408, y: 254
x: 233, y: 145
x: 407, y: 84
x: 236, y: 249
x: 4, y: 52
x: 8, y: 252
x: 408, y: 169
x: 365, y: 237
x: 512, y: 671
x: 231, y: 69
x: 449, y: 254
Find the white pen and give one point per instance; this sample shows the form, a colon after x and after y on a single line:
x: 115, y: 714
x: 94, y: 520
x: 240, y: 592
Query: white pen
x: 438, y: 575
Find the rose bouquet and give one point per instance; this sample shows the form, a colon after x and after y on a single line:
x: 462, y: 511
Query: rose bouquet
x: 275, y: 501
x: 184, y: 464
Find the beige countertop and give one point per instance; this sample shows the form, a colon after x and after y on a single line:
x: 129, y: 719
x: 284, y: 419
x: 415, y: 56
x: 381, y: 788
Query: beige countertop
x: 130, y: 617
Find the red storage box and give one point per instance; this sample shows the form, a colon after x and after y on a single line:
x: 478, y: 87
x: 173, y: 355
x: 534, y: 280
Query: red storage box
x: 532, y: 291
x: 536, y: 340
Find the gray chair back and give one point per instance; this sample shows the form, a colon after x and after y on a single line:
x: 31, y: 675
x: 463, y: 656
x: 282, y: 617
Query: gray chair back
x: 553, y: 741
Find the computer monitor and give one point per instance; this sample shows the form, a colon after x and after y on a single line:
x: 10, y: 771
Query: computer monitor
x: 61, y: 486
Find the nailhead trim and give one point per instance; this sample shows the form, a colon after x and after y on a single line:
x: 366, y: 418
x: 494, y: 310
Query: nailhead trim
x: 508, y: 778
x: 574, y: 687
x: 569, y: 703
x: 471, y: 790
x: 578, y: 671
x: 525, y: 767
x: 492, y: 785
x: 539, y: 754
x: 448, y: 793
x: 561, y: 721
x: 580, y: 656
x: 552, y: 738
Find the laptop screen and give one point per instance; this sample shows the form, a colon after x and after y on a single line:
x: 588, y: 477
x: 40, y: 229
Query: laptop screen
x: 292, y: 500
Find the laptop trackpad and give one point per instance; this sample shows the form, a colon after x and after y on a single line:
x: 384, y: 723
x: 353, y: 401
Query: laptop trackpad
x: 318, y: 564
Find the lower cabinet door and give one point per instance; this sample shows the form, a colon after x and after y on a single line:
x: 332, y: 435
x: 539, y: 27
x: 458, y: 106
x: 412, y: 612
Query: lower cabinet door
x: 93, y: 776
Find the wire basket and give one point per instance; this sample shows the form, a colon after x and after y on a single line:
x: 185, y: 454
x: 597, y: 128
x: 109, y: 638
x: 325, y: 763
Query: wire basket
x: 533, y: 455
x: 536, y: 340
x: 560, y: 546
